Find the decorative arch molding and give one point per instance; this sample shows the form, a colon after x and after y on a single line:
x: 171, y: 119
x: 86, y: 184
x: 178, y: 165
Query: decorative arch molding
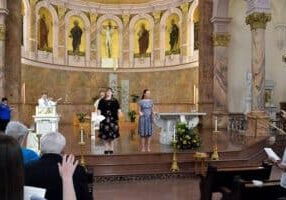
x: 98, y: 31
x: 131, y: 35
x: 51, y: 9
x: 191, y: 28
x: 86, y: 31
x: 163, y: 29
x: 122, y: 8
x: 26, y: 26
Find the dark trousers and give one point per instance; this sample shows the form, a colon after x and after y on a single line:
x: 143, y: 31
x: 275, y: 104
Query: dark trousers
x: 3, y: 124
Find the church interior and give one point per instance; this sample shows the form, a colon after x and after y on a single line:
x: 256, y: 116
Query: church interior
x: 215, y: 72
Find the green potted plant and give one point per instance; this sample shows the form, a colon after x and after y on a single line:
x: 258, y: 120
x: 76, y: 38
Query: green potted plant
x: 134, y: 98
x: 187, y: 138
x: 132, y: 115
x: 81, y: 117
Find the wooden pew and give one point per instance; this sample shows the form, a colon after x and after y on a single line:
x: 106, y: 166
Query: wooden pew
x: 221, y: 179
x: 90, y: 182
x: 246, y: 190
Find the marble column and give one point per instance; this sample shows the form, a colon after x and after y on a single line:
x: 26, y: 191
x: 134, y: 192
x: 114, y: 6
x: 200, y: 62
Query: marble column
x: 221, y: 40
x: 61, y: 48
x: 257, y: 118
x: 206, y: 67
x: 125, y: 60
x: 157, y: 59
x: 93, y: 18
x: 184, y: 30
x: 12, y: 69
x: 32, y: 36
x: 3, y: 14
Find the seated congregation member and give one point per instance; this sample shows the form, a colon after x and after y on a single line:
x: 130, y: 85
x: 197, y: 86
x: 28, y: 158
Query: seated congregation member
x: 44, y: 172
x: 19, y: 132
x: 11, y: 169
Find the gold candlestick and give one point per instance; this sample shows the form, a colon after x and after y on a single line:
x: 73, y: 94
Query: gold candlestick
x: 215, y: 155
x: 175, y: 167
x: 82, y: 145
x: 82, y: 160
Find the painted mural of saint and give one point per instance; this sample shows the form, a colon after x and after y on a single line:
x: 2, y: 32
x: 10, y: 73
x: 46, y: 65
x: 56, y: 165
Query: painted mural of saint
x: 75, y: 34
x: 174, y: 36
x: 143, y: 40
x: 44, y: 32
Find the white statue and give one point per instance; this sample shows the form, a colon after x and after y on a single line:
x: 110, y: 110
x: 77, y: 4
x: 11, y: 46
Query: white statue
x: 108, y: 32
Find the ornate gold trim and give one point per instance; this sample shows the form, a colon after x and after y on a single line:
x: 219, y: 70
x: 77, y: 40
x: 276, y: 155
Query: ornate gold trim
x: 2, y: 32
x: 221, y: 39
x: 125, y: 19
x: 93, y: 17
x: 185, y: 7
x: 157, y: 16
x: 258, y: 20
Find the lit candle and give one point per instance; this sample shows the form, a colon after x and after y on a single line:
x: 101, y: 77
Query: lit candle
x: 174, y: 134
x: 81, y: 136
x: 215, y: 123
x: 195, y: 101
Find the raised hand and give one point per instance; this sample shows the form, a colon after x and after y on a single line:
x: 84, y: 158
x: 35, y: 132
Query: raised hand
x: 67, y: 167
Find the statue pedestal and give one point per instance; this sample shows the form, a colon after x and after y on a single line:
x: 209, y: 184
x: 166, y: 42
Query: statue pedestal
x: 257, y: 124
x: 46, y: 119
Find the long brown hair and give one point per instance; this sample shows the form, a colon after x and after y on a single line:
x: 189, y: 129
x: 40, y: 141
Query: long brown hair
x: 144, y: 92
x: 11, y: 169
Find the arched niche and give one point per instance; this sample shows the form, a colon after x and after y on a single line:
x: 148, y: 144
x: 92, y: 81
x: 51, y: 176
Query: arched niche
x: 164, y: 29
x: 85, y: 33
x: 55, y: 25
x: 132, y: 23
x: 191, y: 28
x: 99, y: 31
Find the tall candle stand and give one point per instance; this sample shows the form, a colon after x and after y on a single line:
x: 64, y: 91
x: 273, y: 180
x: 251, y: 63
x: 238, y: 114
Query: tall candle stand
x: 215, y: 155
x: 82, y: 146
x: 174, y: 167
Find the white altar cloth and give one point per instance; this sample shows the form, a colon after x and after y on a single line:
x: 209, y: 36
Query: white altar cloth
x: 167, y: 123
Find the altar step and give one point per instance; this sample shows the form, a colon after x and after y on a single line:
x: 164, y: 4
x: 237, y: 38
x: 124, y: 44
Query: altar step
x: 160, y: 163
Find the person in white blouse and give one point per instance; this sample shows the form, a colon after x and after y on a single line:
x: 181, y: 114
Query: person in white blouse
x: 43, y: 101
x: 46, y: 101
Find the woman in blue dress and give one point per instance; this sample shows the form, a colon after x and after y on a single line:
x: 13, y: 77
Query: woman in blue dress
x: 145, y: 127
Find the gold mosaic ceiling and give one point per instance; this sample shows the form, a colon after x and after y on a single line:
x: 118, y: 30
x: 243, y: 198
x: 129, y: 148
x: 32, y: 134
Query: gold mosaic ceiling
x: 120, y: 1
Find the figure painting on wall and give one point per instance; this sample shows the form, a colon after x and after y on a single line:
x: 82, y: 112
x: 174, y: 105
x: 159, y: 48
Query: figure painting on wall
x: 44, y: 31
x: 108, y: 32
x: 143, y: 40
x: 75, y: 34
x: 174, y: 36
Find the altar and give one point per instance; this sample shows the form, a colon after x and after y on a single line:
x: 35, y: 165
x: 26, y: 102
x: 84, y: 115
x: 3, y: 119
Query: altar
x: 167, y: 123
x: 46, y: 119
